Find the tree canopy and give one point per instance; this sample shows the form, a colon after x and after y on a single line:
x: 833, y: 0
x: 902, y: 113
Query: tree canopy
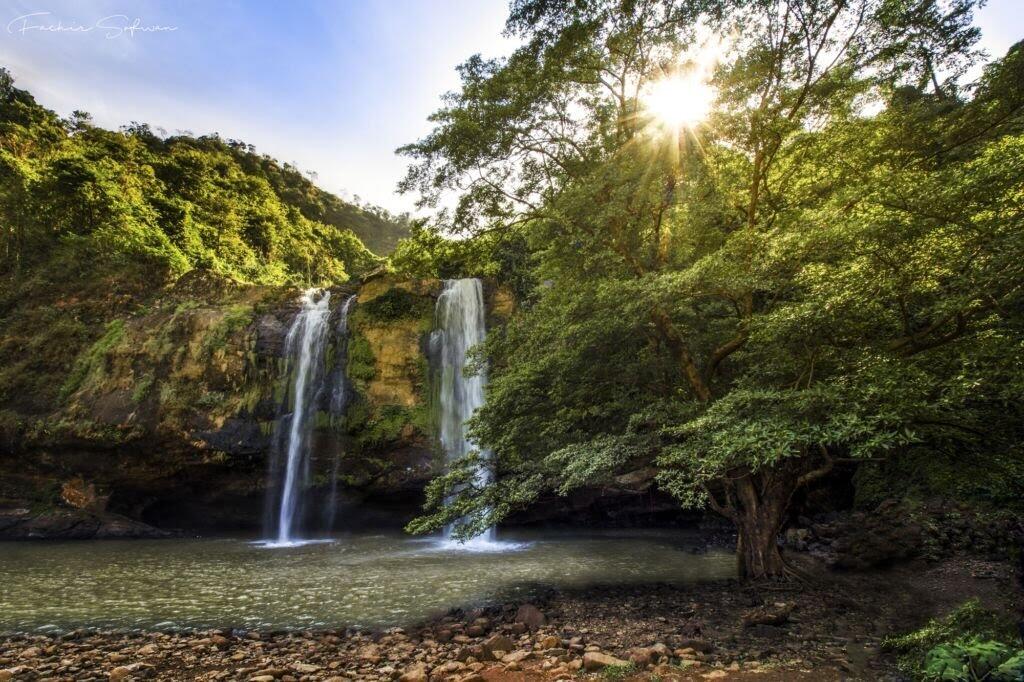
x: 827, y: 269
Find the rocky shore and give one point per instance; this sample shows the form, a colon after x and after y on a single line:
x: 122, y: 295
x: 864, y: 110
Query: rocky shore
x: 819, y: 630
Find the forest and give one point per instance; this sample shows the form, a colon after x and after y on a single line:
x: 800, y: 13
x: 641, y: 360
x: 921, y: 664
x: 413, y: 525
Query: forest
x: 745, y: 304
x: 745, y: 275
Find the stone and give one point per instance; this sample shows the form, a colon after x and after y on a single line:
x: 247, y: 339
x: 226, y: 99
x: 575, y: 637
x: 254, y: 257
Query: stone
x: 641, y: 656
x: 416, y: 673
x: 498, y: 643
x: 148, y: 649
x: 715, y: 674
x: 770, y: 614
x: 549, y: 642
x: 530, y: 616
x: 517, y: 656
x: 305, y: 667
x: 594, y: 661
x: 703, y: 646
x: 31, y: 652
x: 120, y: 673
x: 261, y: 678
x: 272, y: 672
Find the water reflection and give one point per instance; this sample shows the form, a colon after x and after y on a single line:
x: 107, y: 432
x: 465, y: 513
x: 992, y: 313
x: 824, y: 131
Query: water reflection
x: 364, y: 580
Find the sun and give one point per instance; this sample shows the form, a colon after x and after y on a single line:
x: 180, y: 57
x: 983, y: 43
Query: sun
x: 681, y: 100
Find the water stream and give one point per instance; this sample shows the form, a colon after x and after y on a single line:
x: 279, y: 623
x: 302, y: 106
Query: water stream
x: 459, y: 325
x: 289, y: 473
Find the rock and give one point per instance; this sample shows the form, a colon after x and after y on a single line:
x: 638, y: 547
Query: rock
x: 417, y: 673
x: 517, y: 656
x: 262, y: 678
x: 337, y: 678
x: 76, y: 493
x: 133, y: 671
x: 148, y: 649
x: 770, y: 614
x: 715, y: 674
x: 31, y: 652
x: 642, y: 656
x: 475, y: 631
x: 549, y: 642
x: 703, y: 646
x: 498, y: 643
x: 472, y: 651
x: 272, y: 672
x: 530, y: 616
x: 305, y: 667
x: 120, y: 673
x: 595, y: 660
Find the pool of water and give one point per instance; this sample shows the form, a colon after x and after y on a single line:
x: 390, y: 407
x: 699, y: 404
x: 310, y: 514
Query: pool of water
x: 358, y: 580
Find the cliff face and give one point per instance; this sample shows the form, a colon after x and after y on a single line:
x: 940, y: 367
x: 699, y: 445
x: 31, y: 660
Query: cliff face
x: 169, y: 415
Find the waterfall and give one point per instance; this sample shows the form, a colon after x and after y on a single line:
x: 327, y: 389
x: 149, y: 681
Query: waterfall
x: 339, y: 401
x: 305, y: 347
x: 458, y: 327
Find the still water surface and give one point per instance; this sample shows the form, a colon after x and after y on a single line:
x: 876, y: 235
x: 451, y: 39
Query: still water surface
x: 363, y: 580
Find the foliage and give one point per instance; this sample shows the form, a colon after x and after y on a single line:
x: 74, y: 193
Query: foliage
x: 798, y: 281
x: 396, y: 303
x: 968, y: 644
x: 613, y: 673
x: 92, y: 361
x: 974, y: 661
x: 95, y: 224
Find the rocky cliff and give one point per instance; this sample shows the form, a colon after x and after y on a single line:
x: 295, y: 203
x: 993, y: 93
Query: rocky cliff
x: 168, y: 416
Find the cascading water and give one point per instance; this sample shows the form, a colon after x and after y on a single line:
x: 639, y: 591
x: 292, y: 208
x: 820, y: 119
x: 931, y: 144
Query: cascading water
x: 305, y: 346
x: 459, y: 326
x: 339, y: 401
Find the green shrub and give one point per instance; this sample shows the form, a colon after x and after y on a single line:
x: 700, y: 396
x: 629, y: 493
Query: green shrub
x: 613, y: 673
x: 91, y: 362
x: 974, y: 661
x: 958, y: 645
x: 395, y: 304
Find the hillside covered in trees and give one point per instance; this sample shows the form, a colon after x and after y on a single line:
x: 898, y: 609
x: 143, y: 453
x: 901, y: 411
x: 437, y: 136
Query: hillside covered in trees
x: 96, y: 223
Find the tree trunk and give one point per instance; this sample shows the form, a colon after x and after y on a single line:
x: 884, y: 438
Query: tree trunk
x: 759, y: 504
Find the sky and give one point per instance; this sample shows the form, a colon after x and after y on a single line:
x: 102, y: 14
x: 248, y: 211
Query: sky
x: 332, y: 86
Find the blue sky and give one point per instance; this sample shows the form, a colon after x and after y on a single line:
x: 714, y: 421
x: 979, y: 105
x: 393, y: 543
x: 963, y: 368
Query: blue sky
x: 333, y: 86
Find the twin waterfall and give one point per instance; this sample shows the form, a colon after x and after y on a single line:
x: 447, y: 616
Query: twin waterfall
x: 459, y: 326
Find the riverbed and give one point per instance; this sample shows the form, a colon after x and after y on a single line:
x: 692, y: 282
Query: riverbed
x: 361, y: 580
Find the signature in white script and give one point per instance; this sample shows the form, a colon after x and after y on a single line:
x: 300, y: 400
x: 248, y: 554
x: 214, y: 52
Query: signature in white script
x: 112, y: 26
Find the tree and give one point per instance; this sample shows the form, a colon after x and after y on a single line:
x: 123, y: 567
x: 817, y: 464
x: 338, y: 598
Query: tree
x: 730, y: 272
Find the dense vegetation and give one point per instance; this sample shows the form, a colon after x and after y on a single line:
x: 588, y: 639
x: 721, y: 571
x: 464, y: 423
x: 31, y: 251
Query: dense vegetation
x: 828, y: 269
x: 95, y: 223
